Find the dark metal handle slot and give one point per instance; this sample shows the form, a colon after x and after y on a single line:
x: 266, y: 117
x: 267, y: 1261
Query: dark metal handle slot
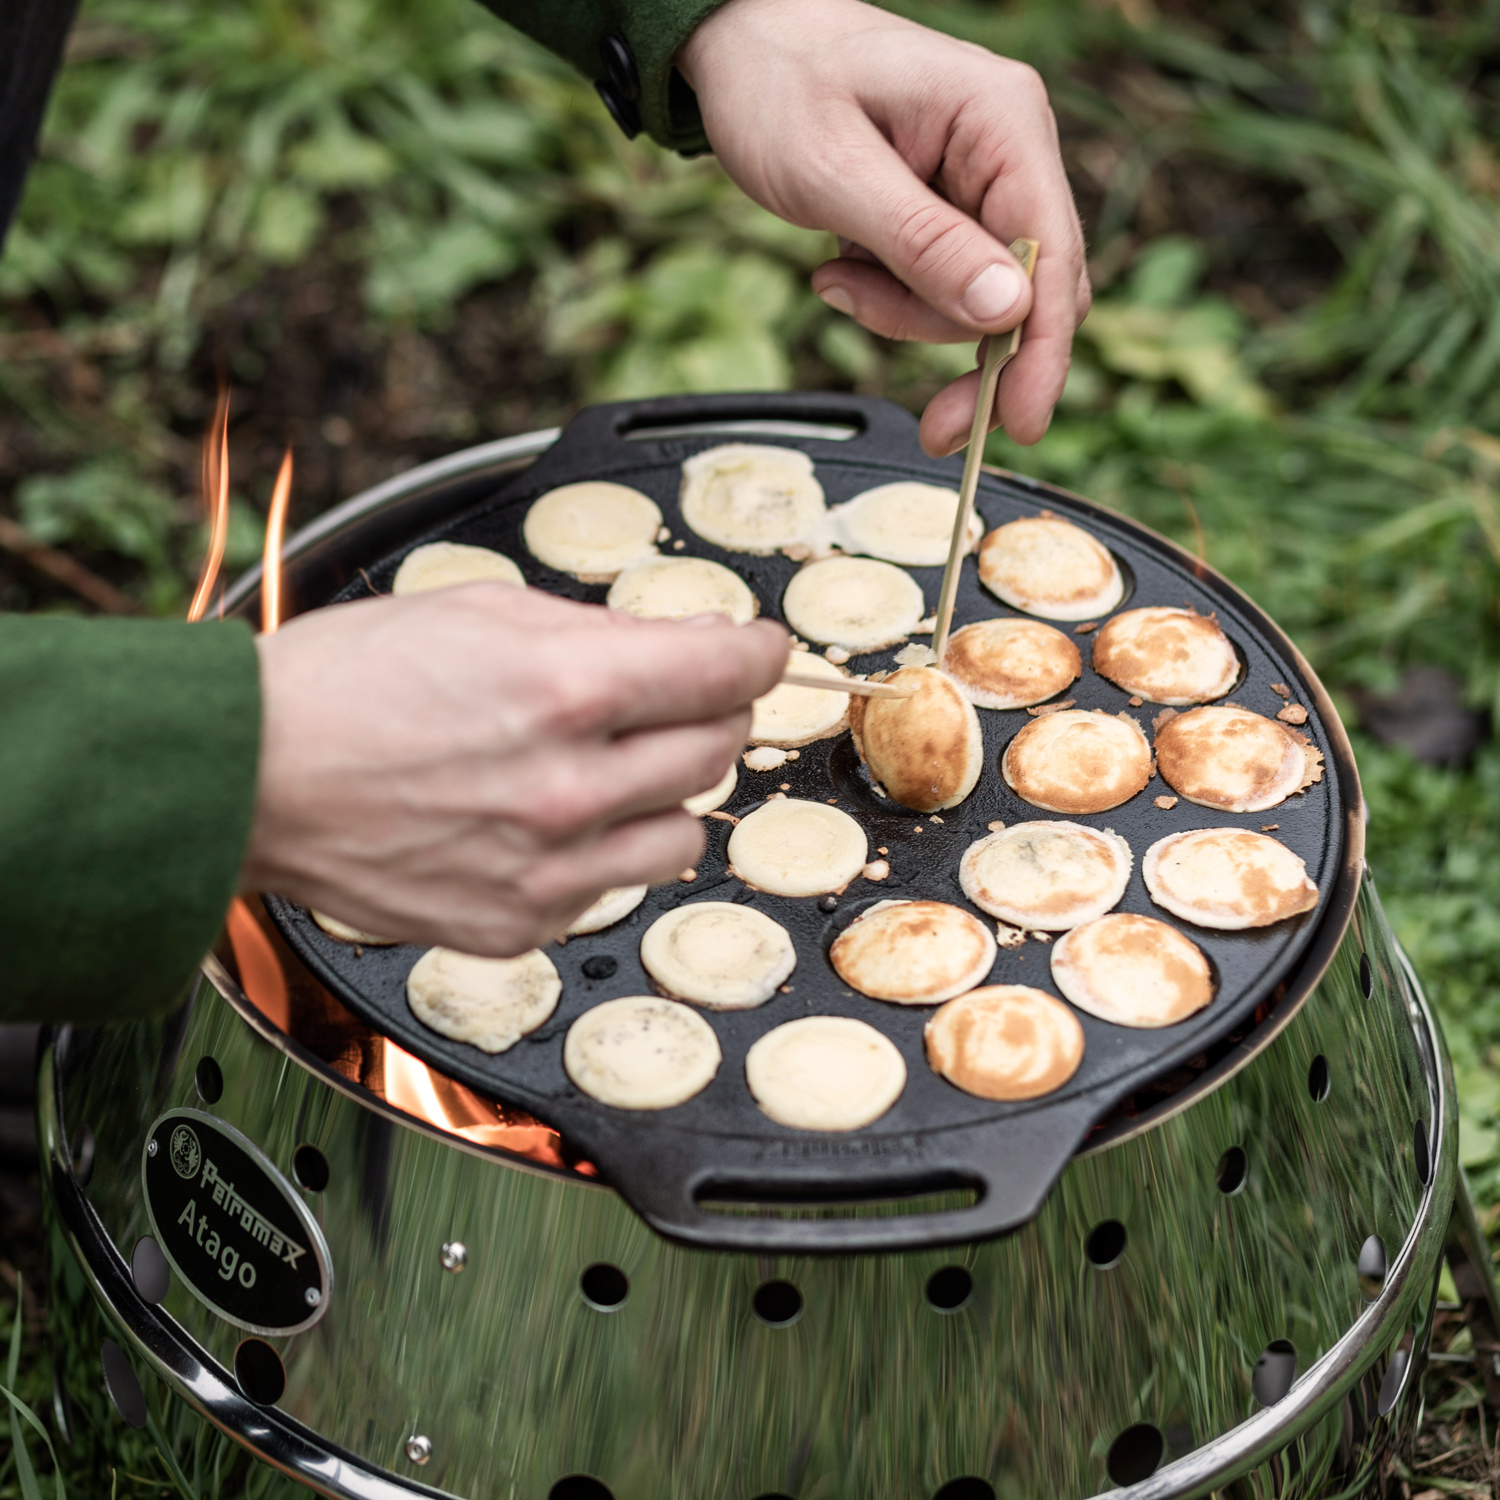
x: 791, y: 424
x: 947, y: 1193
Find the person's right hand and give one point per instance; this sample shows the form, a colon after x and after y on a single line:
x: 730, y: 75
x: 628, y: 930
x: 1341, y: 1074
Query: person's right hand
x: 473, y: 767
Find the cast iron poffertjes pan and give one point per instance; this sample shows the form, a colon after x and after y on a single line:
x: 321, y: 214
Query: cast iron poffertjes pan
x: 718, y: 1147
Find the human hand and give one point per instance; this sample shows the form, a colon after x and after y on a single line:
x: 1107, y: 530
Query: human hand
x: 838, y: 116
x: 473, y: 767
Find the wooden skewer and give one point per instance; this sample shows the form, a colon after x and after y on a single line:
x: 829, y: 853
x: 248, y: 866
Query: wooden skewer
x: 999, y: 351
x: 846, y: 685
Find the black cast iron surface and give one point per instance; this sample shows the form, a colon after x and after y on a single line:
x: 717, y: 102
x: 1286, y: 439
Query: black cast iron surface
x: 718, y: 1146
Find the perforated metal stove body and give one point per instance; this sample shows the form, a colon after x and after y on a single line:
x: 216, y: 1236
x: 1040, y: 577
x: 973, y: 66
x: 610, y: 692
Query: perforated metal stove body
x: 483, y: 1317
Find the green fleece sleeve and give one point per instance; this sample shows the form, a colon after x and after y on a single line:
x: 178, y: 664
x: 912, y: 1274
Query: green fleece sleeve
x: 128, y: 753
x: 653, y: 30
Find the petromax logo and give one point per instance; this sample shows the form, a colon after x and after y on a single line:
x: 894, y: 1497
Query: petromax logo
x: 186, y: 1153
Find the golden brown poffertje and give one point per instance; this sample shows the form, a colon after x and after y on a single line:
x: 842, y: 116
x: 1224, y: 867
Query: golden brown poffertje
x: 927, y: 750
x: 1050, y: 567
x: 1049, y: 875
x: 1006, y: 1041
x: 1228, y: 878
x: 1173, y: 656
x: 1011, y: 663
x: 913, y: 952
x: 1133, y: 971
x: 1230, y: 758
x: 1078, y: 761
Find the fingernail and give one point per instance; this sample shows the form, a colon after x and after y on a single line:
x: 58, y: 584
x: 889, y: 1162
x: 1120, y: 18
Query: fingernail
x: 702, y: 620
x: 992, y: 293
x: 838, y: 299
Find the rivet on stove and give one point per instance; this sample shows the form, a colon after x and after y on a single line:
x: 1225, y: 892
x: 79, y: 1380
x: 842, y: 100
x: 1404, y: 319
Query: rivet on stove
x: 419, y: 1448
x: 151, y: 1148
x: 455, y: 1257
x: 312, y: 1296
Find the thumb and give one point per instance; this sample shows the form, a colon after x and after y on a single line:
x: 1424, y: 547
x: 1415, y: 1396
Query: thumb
x: 947, y: 258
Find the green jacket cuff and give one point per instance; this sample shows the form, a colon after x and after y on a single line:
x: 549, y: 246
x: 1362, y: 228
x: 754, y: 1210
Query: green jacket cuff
x: 653, y: 29
x: 128, y: 753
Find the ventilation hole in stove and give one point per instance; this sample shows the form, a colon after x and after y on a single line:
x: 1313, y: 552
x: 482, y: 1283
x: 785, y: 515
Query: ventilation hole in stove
x: 1135, y: 1454
x: 1232, y: 1171
x: 149, y: 1270
x: 310, y: 1168
x: 121, y: 1383
x: 778, y: 1303
x: 949, y: 1289
x: 1318, y: 1081
x: 83, y: 1155
x: 579, y: 1487
x: 1366, y: 976
x: 1421, y: 1155
x: 604, y: 1286
x: 1369, y: 1269
x: 208, y: 1080
x: 1274, y: 1372
x: 967, y: 1488
x: 260, y: 1372
x: 1105, y: 1245
x: 1394, y: 1382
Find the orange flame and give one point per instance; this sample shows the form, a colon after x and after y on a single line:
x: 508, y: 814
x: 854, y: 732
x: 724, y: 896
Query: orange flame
x: 260, y: 970
x: 414, y: 1087
x: 216, y: 501
x: 270, y: 582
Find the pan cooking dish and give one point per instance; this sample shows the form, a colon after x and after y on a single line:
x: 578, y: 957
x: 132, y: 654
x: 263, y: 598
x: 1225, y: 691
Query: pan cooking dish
x: 1161, y: 1274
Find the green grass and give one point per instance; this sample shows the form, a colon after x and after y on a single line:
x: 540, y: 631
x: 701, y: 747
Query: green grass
x: 1293, y: 364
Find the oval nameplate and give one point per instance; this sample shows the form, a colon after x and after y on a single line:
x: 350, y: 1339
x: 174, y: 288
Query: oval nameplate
x: 232, y: 1227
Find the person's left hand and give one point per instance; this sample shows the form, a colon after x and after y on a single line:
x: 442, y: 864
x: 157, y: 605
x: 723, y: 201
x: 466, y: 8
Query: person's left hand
x: 926, y: 156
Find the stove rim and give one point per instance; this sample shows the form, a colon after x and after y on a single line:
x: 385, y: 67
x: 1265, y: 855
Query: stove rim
x: 280, y: 1439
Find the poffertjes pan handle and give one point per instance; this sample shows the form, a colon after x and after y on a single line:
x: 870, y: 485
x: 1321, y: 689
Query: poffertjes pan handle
x: 618, y: 435
x: 763, y: 1190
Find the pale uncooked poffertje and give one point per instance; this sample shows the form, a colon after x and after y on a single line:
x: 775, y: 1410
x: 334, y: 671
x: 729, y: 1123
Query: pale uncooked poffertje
x: 1006, y: 1041
x: 718, y: 954
x: 1166, y: 655
x: 1078, y: 761
x: 789, y: 716
x: 1046, y: 875
x: 790, y: 847
x: 913, y: 952
x: 347, y: 934
x: 926, y: 750
x: 613, y: 906
x: 1132, y: 971
x: 593, y: 529
x: 641, y: 1052
x: 1233, y: 759
x: 1229, y: 878
x: 905, y: 522
x: 853, y: 602
x: 445, y: 565
x: 702, y: 803
x: 751, y: 497
x: 1050, y: 567
x: 489, y: 1002
x: 676, y: 588
x: 825, y: 1073
x: 1010, y: 663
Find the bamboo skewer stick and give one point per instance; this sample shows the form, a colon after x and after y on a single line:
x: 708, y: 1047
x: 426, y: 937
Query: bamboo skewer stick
x: 999, y: 351
x: 845, y: 685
